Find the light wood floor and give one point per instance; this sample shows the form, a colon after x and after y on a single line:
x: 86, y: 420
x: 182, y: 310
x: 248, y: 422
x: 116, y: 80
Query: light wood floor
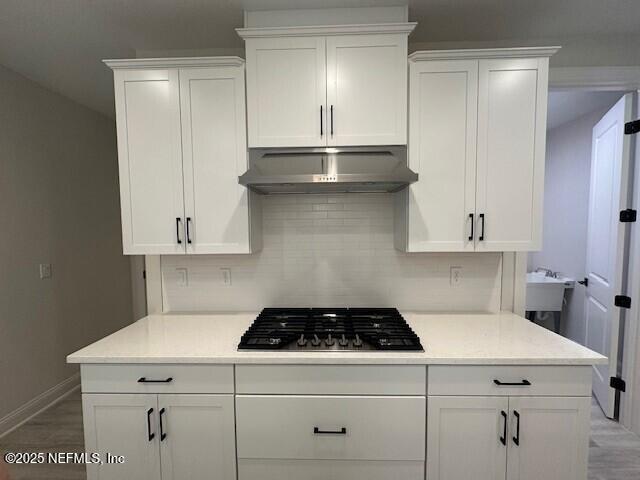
x: 614, y: 453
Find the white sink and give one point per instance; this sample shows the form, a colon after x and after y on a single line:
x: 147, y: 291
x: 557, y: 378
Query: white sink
x: 545, y: 294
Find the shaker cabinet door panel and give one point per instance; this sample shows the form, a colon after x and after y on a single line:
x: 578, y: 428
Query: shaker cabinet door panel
x: 198, y: 441
x: 367, y: 89
x: 215, y: 154
x: 512, y: 106
x: 286, y: 92
x: 442, y: 150
x: 122, y: 425
x: 465, y: 438
x: 150, y: 161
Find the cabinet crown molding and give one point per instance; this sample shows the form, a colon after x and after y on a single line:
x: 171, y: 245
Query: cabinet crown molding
x: 174, y: 62
x: 483, y: 53
x: 326, y: 30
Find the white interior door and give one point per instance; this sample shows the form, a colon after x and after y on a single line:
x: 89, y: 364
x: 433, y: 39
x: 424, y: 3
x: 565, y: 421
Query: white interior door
x: 512, y: 113
x: 122, y: 425
x: 548, y: 438
x: 215, y: 154
x: 442, y: 150
x: 286, y: 92
x: 197, y: 439
x: 367, y: 89
x: 467, y: 438
x: 150, y: 161
x: 610, y: 159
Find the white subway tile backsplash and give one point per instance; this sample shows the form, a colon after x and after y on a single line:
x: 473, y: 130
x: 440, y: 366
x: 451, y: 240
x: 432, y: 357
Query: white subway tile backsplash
x: 332, y: 250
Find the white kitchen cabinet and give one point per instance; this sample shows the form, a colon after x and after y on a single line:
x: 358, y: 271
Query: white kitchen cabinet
x: 150, y: 160
x: 367, y: 89
x: 467, y: 438
x: 200, y: 437
x: 124, y: 425
x: 286, y: 91
x: 552, y: 439
x: 181, y: 147
x: 327, y: 86
x: 161, y: 436
x: 477, y: 126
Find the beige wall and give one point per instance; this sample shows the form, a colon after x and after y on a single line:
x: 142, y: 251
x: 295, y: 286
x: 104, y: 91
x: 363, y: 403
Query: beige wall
x: 59, y: 205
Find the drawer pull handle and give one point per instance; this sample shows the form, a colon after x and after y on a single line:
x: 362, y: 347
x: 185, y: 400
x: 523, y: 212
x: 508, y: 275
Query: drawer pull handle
x: 146, y: 380
x: 317, y: 431
x: 503, y: 438
x: 523, y: 383
x: 150, y: 435
x: 516, y: 439
x: 163, y: 433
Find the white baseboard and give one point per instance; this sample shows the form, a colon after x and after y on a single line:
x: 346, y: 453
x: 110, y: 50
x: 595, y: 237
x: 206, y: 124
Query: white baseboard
x: 33, y: 407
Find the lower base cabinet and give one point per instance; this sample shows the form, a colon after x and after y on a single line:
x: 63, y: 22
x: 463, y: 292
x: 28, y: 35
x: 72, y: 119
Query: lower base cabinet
x: 512, y: 438
x: 163, y: 436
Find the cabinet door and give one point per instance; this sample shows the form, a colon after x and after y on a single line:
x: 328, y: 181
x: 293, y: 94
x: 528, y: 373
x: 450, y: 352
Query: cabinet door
x: 512, y: 111
x: 286, y: 92
x: 552, y: 439
x: 122, y: 425
x: 197, y: 440
x: 367, y: 89
x: 150, y: 160
x: 442, y: 150
x: 464, y: 438
x: 215, y: 154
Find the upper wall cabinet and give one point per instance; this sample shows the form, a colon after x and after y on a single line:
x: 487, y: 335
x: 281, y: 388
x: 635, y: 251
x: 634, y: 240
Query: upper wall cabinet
x: 477, y: 124
x: 327, y: 86
x: 181, y: 146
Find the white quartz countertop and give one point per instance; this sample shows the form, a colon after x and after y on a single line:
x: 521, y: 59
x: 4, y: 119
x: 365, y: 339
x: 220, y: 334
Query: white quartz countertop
x: 468, y: 339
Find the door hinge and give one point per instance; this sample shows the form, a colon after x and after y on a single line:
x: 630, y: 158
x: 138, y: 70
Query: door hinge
x: 622, y: 301
x: 631, y: 128
x: 628, y: 216
x: 617, y: 383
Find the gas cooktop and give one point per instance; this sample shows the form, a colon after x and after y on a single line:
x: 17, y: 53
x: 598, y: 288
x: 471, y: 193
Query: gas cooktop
x: 329, y: 329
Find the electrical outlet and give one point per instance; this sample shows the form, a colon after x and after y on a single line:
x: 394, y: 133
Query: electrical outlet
x: 226, y: 276
x: 455, y: 276
x: 45, y: 271
x: 183, y: 277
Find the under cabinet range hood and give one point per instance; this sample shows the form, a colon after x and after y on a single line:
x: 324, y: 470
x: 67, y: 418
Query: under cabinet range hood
x: 328, y: 170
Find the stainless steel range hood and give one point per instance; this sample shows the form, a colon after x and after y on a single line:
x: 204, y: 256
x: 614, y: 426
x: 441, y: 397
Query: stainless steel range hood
x: 328, y: 170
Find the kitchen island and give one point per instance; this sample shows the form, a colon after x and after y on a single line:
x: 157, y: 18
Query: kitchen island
x: 493, y: 396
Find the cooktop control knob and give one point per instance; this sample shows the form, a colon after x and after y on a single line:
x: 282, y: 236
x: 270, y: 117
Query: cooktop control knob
x: 316, y: 340
x: 329, y: 342
x: 357, y: 342
x: 302, y: 341
x: 343, y: 342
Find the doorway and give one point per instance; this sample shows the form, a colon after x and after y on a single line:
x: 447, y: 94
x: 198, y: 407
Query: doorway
x: 572, y: 281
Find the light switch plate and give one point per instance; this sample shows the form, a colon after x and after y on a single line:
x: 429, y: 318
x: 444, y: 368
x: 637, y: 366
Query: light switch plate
x: 183, y: 277
x: 45, y: 271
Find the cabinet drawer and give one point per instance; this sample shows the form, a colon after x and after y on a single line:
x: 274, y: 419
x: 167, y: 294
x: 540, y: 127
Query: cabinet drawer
x: 495, y: 379
x: 256, y: 469
x: 331, y: 379
x: 331, y: 428
x: 157, y: 378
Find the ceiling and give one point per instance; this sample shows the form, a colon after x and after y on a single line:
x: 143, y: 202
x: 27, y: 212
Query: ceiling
x: 566, y: 106
x: 59, y: 43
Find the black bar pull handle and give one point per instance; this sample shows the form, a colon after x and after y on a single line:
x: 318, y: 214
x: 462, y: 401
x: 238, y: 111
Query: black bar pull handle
x: 332, y: 120
x: 481, y: 237
x: 516, y: 439
x: 150, y: 436
x: 178, y: 222
x: 188, y: 230
x: 503, y: 438
x: 317, y: 431
x: 321, y: 121
x: 163, y: 434
x: 471, y: 234
x: 523, y: 383
x: 147, y: 380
